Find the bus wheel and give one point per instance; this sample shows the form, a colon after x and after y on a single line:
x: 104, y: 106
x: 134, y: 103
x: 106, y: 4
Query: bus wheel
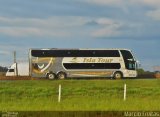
x: 118, y: 75
x: 61, y: 75
x: 51, y: 76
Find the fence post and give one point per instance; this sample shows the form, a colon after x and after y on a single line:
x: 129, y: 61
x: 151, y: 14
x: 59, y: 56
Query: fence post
x: 125, y: 92
x: 59, y: 94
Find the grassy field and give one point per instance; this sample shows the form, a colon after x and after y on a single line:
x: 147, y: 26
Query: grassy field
x: 81, y: 95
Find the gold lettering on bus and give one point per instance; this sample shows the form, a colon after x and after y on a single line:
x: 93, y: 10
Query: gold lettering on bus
x: 102, y: 60
x: 97, y: 60
x: 89, y: 60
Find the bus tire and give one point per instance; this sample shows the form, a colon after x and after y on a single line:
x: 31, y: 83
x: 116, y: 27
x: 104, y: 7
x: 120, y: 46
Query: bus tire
x: 118, y: 75
x: 51, y: 76
x: 61, y: 75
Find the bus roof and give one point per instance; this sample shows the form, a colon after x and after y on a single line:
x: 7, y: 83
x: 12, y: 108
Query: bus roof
x: 80, y: 49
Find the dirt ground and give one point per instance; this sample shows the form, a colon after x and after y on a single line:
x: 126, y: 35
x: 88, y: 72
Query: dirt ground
x: 17, y: 78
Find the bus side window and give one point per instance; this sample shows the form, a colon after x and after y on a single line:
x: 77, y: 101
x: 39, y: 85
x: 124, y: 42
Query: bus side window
x: 68, y: 52
x: 130, y: 65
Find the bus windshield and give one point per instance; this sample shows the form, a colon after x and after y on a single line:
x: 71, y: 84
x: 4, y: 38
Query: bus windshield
x: 129, y: 60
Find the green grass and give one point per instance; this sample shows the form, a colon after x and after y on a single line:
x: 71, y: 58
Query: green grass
x: 80, y: 95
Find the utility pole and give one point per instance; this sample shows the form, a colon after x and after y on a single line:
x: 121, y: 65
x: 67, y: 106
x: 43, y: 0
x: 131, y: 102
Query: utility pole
x: 14, y: 55
x: 14, y: 60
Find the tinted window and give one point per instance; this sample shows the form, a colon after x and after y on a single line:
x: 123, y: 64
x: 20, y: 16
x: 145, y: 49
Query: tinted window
x: 11, y: 70
x: 92, y: 65
x: 131, y: 65
x: 128, y: 63
x: 126, y: 54
x: 75, y: 53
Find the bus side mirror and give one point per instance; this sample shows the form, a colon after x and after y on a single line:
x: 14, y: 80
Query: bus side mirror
x: 130, y: 59
x: 138, y: 64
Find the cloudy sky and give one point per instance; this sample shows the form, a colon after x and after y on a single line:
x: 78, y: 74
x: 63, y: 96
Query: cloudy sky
x: 132, y: 24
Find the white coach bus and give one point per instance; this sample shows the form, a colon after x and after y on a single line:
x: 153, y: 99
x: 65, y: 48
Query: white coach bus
x: 63, y: 63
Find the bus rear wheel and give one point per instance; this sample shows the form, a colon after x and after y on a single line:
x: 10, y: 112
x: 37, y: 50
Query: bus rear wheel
x: 61, y: 75
x: 118, y: 75
x: 51, y: 76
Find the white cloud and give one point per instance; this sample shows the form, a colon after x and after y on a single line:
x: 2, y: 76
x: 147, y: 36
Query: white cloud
x: 106, y: 2
x: 106, y: 32
x: 105, y: 21
x: 56, y: 21
x: 155, y: 14
x: 109, y: 28
x: 53, y: 26
x: 4, y: 53
x: 110, y: 31
x: 122, y: 3
x: 154, y: 3
x: 59, y: 26
x: 29, y: 31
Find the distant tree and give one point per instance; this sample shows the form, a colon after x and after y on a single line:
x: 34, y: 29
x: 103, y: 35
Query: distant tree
x: 145, y: 74
x: 3, y: 69
x: 140, y: 71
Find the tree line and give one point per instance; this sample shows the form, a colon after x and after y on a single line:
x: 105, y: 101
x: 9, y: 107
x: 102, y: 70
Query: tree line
x: 3, y: 69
